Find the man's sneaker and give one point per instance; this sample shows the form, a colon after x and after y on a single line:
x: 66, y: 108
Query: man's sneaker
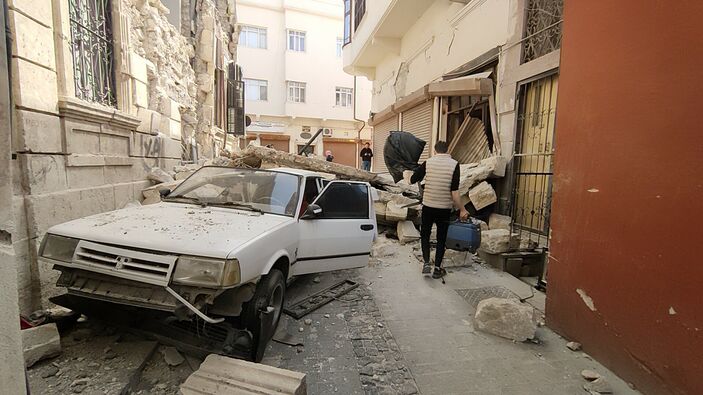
x: 426, y: 268
x: 439, y: 272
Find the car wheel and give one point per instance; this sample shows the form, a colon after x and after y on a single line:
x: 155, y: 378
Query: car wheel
x: 268, y: 298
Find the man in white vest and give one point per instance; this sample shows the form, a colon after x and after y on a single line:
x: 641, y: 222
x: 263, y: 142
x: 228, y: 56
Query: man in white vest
x: 441, y: 175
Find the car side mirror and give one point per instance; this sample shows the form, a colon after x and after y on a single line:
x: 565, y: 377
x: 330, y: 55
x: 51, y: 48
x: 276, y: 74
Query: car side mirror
x: 164, y: 192
x: 313, y: 211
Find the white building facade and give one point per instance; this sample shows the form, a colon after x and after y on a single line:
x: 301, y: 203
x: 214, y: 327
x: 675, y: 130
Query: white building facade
x: 291, y: 57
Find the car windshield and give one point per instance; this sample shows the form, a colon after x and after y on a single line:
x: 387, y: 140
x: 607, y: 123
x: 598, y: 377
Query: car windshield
x: 255, y: 190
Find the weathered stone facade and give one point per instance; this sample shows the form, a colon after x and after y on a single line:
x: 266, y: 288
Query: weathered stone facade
x: 71, y: 157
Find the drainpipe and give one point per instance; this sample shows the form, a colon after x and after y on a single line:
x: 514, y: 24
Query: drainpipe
x: 363, y: 125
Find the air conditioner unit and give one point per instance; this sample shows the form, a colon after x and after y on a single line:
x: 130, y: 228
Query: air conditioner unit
x: 327, y: 132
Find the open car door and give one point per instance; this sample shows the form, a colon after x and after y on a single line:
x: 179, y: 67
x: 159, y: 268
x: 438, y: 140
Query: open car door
x: 340, y: 234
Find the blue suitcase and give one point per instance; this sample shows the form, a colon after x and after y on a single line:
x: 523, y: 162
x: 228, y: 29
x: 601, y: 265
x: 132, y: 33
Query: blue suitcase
x: 464, y: 236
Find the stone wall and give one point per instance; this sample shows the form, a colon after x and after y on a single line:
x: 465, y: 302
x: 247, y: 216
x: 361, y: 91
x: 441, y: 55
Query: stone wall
x: 73, y: 158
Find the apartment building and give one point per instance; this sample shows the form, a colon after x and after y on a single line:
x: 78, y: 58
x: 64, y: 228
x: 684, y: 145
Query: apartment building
x: 291, y: 57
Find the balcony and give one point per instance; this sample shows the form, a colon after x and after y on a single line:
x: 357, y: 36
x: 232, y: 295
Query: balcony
x: 379, y: 33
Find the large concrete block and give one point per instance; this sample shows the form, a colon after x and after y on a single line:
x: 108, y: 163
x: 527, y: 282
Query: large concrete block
x: 85, y: 176
x: 495, y: 241
x: 140, y: 94
x: 40, y: 343
x: 508, y: 318
x: 396, y: 212
x: 39, y: 10
x: 482, y: 195
x: 407, y: 233
x: 32, y: 41
x: 222, y: 375
x: 497, y: 164
x: 33, y: 86
x: 46, y: 173
x: 38, y: 132
x: 137, y: 67
x: 497, y: 221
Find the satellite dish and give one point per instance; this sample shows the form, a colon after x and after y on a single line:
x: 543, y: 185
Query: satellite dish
x: 247, y: 121
x: 305, y: 135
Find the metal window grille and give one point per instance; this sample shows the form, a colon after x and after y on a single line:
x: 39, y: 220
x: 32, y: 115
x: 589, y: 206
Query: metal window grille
x: 236, y: 123
x: 296, y: 92
x: 92, y: 48
x: 533, y: 162
x: 253, y: 37
x: 343, y: 97
x: 359, y: 11
x: 542, y: 28
x: 296, y: 41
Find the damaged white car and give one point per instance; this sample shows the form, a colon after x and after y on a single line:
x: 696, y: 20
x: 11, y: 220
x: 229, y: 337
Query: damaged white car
x: 219, y: 247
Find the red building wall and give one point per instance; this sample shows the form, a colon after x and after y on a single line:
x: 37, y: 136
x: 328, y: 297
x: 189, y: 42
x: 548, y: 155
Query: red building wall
x: 627, y: 214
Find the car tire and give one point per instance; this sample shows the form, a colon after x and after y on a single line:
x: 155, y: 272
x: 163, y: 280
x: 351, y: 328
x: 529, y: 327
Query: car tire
x: 270, y: 292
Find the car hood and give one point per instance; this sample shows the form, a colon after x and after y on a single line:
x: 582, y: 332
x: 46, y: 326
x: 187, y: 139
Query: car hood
x: 174, y: 228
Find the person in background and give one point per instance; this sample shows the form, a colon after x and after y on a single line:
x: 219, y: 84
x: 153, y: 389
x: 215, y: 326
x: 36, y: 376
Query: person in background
x: 328, y: 156
x: 441, y: 175
x: 366, y: 154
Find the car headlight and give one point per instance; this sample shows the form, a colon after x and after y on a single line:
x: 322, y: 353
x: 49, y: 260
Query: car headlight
x: 206, y: 272
x: 59, y: 248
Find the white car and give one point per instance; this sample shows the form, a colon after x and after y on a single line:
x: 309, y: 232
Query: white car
x: 220, y: 246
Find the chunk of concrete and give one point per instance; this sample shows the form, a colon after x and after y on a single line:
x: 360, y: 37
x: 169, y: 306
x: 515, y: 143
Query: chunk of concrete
x: 159, y: 175
x: 482, y: 195
x: 40, y: 343
x: 497, y: 221
x: 407, y: 232
x: 590, y: 375
x: 573, y: 346
x: 508, y: 318
x: 496, y: 164
x: 395, y: 212
x: 495, y: 241
x: 598, y: 386
x: 222, y: 375
x: 171, y: 356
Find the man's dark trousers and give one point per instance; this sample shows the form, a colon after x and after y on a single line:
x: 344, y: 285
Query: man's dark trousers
x: 430, y: 216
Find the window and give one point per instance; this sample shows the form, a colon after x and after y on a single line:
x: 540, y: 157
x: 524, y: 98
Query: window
x: 342, y: 200
x: 220, y: 88
x: 256, y: 89
x: 359, y: 11
x: 542, y: 28
x: 343, y: 97
x: 236, y: 119
x: 347, y: 21
x: 296, y: 40
x: 93, y: 55
x: 296, y: 92
x: 340, y: 44
x: 253, y: 37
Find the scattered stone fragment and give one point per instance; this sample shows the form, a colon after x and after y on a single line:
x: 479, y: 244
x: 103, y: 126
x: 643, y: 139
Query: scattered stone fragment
x: 50, y: 371
x: 40, y: 342
x: 573, y: 346
x: 301, y: 329
x: 598, y: 386
x: 327, y: 316
x: 78, y: 382
x: 316, y: 280
x: 159, y: 175
x: 308, y: 321
x: 590, y: 375
x: 109, y: 353
x: 407, y: 232
x: 507, y: 318
x: 171, y: 356
x: 340, y: 316
x: 380, y: 325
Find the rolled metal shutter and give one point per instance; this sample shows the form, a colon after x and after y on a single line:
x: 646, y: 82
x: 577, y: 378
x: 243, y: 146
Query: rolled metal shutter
x: 380, y: 134
x: 418, y: 121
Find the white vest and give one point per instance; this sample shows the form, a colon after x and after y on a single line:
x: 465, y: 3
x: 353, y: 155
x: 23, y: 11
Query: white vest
x: 439, y: 170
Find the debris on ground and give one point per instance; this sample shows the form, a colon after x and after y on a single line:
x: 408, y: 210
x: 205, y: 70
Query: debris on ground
x: 407, y: 232
x: 508, y: 318
x: 171, y: 356
x: 495, y: 241
x: 573, y: 346
x: 590, y: 375
x: 40, y: 343
x: 222, y: 375
x: 159, y: 176
x: 313, y: 302
x: 598, y: 386
x: 307, y: 321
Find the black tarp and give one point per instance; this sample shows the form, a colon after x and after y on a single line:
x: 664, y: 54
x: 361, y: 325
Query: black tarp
x: 402, y: 152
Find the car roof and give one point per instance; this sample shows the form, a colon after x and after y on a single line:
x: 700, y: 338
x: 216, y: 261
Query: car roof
x: 297, y: 172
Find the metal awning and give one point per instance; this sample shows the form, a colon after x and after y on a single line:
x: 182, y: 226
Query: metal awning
x: 470, y: 85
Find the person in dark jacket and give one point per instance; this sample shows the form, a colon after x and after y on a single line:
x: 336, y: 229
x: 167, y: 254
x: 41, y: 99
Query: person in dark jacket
x: 328, y: 156
x: 441, y: 175
x: 366, y: 154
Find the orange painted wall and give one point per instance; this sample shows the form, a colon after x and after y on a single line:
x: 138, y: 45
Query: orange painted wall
x: 627, y: 214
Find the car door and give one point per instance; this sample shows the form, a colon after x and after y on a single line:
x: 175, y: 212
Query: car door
x: 340, y: 237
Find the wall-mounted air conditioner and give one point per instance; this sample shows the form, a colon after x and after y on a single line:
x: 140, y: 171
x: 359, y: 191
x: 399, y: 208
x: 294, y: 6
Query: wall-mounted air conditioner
x: 327, y: 132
